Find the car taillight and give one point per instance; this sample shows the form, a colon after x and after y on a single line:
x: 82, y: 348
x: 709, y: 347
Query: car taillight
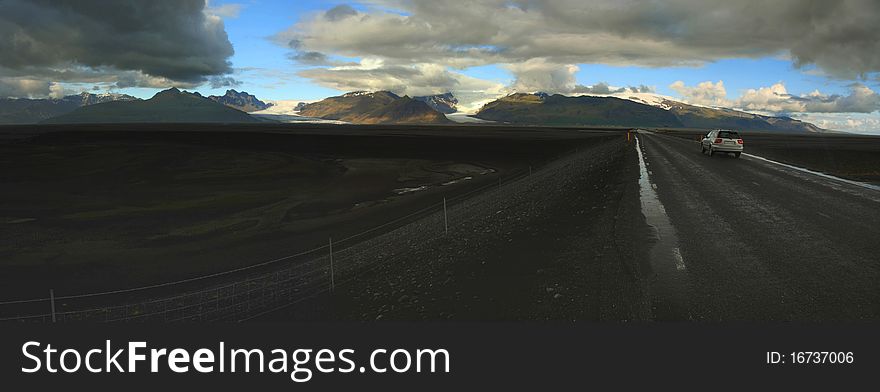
x: 739, y: 141
x: 718, y: 141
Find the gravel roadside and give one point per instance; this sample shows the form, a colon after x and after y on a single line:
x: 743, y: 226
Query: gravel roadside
x: 568, y: 247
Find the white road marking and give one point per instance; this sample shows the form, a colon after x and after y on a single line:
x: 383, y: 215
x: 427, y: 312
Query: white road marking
x: 815, y: 173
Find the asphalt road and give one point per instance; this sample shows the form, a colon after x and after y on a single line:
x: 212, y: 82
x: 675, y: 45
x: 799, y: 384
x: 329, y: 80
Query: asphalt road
x: 753, y: 240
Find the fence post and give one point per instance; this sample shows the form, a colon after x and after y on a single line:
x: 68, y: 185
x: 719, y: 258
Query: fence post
x: 52, y: 300
x: 445, y: 218
x: 332, y: 282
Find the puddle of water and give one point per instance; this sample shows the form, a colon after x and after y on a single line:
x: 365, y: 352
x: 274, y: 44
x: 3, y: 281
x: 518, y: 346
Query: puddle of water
x: 669, y: 287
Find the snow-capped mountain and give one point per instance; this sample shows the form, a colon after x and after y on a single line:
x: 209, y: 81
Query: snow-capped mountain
x: 171, y: 105
x: 443, y: 103
x: 85, y: 98
x: 28, y: 111
x: 241, y: 101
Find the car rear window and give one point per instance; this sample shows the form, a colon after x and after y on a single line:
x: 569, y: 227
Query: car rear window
x: 728, y: 134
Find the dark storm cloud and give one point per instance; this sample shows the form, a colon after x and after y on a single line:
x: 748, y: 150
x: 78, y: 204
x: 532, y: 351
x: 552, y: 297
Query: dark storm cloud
x: 23, y: 88
x: 158, y: 40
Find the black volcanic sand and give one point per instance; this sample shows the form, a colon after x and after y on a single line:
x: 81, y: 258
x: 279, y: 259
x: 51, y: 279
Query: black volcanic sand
x: 856, y: 157
x: 573, y: 252
x: 90, y: 208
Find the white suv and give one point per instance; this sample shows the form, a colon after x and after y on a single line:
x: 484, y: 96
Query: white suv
x: 722, y: 140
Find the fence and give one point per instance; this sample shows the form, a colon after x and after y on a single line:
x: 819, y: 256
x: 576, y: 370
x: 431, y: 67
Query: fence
x: 252, y: 291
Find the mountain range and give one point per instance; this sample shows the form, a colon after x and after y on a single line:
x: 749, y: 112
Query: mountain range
x: 702, y: 117
x: 380, y: 107
x: 542, y: 109
x: 29, y: 111
x: 545, y: 109
x: 384, y: 107
x: 170, y: 105
x: 241, y: 101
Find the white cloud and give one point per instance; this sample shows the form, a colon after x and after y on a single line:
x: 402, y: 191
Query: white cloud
x: 769, y: 99
x: 846, y: 122
x: 56, y: 90
x: 861, y: 99
x: 541, y: 42
x: 839, y: 37
x: 539, y: 75
x: 372, y: 74
x: 705, y: 93
x: 776, y: 99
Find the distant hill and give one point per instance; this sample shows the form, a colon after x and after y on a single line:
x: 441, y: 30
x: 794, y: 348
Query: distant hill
x: 29, y: 111
x: 703, y: 117
x: 443, y: 103
x: 557, y: 109
x: 170, y: 105
x: 381, y: 107
x: 241, y: 101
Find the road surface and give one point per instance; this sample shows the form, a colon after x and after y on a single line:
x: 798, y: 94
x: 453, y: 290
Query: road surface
x: 754, y: 240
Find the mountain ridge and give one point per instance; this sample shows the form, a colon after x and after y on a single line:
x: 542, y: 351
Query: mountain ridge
x: 171, y: 105
x: 377, y: 107
x: 557, y: 109
x: 30, y: 111
x: 241, y: 101
x: 445, y: 103
x: 542, y: 108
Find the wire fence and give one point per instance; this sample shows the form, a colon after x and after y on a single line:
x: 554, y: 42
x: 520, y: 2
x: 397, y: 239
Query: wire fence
x: 249, y: 292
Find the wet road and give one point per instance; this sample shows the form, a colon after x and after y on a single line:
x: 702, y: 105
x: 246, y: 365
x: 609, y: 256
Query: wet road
x: 753, y: 240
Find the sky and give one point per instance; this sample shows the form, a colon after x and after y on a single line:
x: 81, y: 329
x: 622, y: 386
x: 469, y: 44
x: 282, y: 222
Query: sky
x: 808, y: 59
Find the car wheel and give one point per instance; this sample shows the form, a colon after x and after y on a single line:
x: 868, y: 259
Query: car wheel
x: 702, y: 149
x: 736, y: 154
x: 710, y: 151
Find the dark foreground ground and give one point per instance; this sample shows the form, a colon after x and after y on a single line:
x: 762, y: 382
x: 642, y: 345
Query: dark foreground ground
x: 572, y: 251
x: 592, y: 235
x: 107, y: 207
